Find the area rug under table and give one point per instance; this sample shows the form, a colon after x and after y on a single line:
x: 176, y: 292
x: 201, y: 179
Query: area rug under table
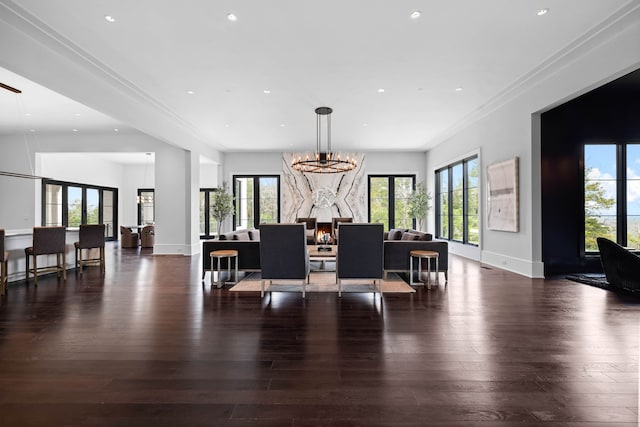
x: 324, y: 282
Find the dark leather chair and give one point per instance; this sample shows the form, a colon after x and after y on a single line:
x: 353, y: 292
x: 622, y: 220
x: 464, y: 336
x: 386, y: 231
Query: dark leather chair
x: 312, y: 229
x: 621, y: 267
x: 91, y: 236
x: 47, y: 241
x: 335, y: 227
x: 4, y: 263
x: 128, y: 239
x: 147, y: 236
x: 360, y: 253
x: 283, y: 254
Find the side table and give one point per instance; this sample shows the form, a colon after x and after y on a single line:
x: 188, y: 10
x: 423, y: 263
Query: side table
x: 229, y: 254
x: 428, y: 255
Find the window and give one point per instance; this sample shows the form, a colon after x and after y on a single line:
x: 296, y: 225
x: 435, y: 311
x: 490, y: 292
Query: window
x: 146, y: 206
x: 611, y: 194
x: 208, y: 226
x: 388, y: 196
x: 257, y: 200
x: 457, y: 201
x: 71, y: 204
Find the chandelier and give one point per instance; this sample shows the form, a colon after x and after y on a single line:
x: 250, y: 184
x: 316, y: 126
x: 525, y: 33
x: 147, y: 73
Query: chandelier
x: 323, y: 161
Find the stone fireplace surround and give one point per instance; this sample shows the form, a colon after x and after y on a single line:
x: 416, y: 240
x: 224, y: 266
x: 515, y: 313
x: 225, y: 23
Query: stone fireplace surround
x: 323, y: 196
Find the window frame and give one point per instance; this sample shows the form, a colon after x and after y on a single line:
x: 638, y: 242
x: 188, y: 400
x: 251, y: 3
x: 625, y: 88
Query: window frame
x: 465, y: 200
x: 256, y: 197
x: 84, y: 187
x: 391, y: 207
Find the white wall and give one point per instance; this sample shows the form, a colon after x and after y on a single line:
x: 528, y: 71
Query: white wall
x: 509, y: 126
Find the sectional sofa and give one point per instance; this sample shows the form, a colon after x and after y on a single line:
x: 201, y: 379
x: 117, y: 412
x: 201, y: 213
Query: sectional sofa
x: 397, y: 245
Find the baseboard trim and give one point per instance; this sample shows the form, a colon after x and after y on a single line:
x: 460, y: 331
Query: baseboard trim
x: 527, y: 268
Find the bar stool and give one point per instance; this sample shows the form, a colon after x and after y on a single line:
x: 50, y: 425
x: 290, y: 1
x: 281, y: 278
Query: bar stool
x: 428, y: 255
x: 4, y: 261
x: 229, y: 254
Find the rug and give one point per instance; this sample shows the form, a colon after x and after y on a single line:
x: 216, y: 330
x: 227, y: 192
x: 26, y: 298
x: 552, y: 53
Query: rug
x: 591, y: 279
x: 324, y: 282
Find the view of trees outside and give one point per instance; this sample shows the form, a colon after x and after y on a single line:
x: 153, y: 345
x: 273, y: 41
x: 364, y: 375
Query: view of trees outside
x: 74, y: 206
x: 458, y: 201
x: 267, y: 204
x: 633, y: 195
x: 473, y: 201
x: 268, y: 200
x: 380, y: 201
x: 600, y: 189
x: 53, y: 205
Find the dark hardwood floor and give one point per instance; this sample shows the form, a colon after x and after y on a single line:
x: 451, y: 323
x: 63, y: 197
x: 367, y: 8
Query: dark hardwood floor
x: 148, y: 345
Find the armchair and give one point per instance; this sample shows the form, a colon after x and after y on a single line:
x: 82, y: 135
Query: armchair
x: 147, y: 236
x: 283, y: 254
x: 128, y: 239
x: 621, y: 267
x: 311, y: 229
x: 360, y: 253
x: 335, y: 225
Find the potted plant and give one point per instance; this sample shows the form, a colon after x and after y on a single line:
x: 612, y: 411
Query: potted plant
x: 419, y: 202
x: 221, y: 205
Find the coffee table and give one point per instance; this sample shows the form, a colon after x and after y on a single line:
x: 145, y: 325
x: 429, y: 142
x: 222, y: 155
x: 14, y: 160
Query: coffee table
x: 315, y: 254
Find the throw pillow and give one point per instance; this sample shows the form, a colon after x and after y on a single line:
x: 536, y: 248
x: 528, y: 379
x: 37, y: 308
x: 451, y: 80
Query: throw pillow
x: 410, y: 236
x: 394, y: 234
x: 243, y: 235
x: 254, y: 234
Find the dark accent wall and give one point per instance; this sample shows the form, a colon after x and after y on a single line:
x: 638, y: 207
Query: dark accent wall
x: 608, y: 114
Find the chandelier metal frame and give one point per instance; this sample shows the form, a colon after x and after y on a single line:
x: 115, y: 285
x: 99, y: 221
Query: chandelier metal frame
x: 323, y: 161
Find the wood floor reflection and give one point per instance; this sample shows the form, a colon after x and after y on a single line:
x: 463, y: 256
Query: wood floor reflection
x: 147, y: 344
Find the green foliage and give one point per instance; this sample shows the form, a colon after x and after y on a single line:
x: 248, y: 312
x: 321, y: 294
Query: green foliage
x: 221, y: 205
x: 595, y: 202
x: 418, y: 203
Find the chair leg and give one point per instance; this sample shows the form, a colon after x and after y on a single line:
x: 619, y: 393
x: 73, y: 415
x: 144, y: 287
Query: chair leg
x: 79, y: 257
x: 26, y: 273
x: 304, y: 285
x: 35, y: 270
x: 339, y: 288
x: 63, y: 266
x: 4, y: 279
x: 262, y: 288
x: 102, y: 260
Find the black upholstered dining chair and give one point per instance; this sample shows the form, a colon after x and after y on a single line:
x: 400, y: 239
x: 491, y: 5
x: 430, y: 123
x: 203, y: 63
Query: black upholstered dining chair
x: 90, y: 236
x: 311, y: 229
x: 283, y: 254
x: 335, y: 227
x: 360, y: 253
x: 47, y: 241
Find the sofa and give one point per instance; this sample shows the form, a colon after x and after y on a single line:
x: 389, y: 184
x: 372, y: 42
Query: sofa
x: 246, y: 242
x: 398, y: 243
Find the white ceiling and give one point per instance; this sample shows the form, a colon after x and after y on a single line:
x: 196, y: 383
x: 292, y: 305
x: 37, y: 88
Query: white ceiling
x: 308, y: 54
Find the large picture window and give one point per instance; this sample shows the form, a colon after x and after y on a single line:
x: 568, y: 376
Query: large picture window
x: 70, y: 204
x: 611, y: 194
x: 388, y: 195
x: 457, y: 201
x: 208, y: 225
x: 257, y: 200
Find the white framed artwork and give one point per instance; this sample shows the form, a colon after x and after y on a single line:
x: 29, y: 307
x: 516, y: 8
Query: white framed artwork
x: 503, y: 210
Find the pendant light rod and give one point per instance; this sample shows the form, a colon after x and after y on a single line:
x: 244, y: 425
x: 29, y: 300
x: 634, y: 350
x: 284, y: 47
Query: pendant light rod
x: 9, y: 88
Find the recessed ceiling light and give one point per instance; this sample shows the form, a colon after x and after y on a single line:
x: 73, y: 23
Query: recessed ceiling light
x: 226, y: 125
x: 75, y: 130
x: 77, y: 114
x: 190, y: 92
x: 380, y: 90
x: 267, y: 91
x: 281, y: 125
x: 109, y: 18
x: 27, y: 114
x: 33, y: 130
x: 232, y: 17
x: 416, y: 14
x: 458, y: 89
x: 542, y: 12
x: 365, y: 124
x: 116, y: 130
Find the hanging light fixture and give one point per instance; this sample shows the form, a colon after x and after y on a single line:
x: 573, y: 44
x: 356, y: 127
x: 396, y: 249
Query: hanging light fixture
x: 323, y: 161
